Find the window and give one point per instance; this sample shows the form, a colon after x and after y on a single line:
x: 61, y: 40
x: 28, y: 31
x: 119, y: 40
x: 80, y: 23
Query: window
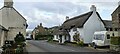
x: 74, y: 29
x: 111, y: 29
x: 115, y: 29
x: 108, y: 36
x: 107, y: 29
x: 99, y: 37
x: 56, y: 37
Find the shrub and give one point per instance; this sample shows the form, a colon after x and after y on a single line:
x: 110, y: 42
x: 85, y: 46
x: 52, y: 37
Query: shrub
x: 81, y: 43
x: 50, y: 39
x: 76, y: 37
x: 115, y: 40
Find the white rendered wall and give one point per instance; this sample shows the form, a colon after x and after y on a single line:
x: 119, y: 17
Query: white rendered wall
x: 93, y: 24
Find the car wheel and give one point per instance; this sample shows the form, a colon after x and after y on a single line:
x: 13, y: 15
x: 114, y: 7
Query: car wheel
x: 94, y: 46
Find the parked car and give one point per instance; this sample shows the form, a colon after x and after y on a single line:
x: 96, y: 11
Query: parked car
x: 28, y: 38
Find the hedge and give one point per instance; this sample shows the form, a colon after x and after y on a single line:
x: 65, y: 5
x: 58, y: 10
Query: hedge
x: 115, y: 40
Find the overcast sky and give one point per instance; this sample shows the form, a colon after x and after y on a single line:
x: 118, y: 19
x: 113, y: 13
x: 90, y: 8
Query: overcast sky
x: 53, y: 12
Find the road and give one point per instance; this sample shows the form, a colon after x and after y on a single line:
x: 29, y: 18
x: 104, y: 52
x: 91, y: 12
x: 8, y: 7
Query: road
x: 43, y: 46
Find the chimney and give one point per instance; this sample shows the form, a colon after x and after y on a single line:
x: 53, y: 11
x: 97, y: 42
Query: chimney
x: 67, y: 17
x: 40, y: 24
x: 118, y: 3
x: 93, y: 8
x: 8, y: 3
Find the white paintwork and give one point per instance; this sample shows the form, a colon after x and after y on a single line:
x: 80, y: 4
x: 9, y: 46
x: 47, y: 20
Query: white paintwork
x: 81, y: 33
x: 105, y: 41
x: 10, y: 18
x: 93, y: 24
x: 63, y: 39
x: 67, y: 38
x: 56, y: 38
x: 86, y: 32
x: 72, y: 33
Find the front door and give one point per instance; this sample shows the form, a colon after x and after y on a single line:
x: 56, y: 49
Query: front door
x: 60, y: 38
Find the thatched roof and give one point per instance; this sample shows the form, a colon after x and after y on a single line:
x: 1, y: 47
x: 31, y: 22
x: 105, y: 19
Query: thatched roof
x: 77, y: 21
x: 59, y: 32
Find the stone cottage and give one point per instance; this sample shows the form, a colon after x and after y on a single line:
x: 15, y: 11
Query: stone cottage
x: 12, y: 20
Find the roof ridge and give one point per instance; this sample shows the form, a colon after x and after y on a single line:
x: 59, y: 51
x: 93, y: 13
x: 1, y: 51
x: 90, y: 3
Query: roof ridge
x: 78, y: 16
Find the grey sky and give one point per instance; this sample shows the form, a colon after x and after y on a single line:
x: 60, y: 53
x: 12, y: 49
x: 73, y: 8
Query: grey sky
x: 53, y: 12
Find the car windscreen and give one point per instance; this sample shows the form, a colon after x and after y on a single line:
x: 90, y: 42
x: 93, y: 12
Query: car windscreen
x: 99, y: 36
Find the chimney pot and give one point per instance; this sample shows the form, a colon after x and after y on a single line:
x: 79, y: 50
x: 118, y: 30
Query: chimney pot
x: 67, y: 17
x: 93, y: 8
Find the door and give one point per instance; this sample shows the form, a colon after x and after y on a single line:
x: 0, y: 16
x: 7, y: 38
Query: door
x: 60, y: 38
x: 107, y: 39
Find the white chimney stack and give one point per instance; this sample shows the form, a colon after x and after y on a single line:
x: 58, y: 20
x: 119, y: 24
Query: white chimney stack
x: 93, y: 8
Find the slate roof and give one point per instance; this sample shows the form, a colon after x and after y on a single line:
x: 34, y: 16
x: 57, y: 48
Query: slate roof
x: 116, y: 9
x: 107, y: 23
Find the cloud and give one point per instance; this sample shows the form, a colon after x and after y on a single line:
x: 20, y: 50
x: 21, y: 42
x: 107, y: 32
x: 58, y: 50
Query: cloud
x: 1, y: 4
x: 50, y: 15
x: 53, y: 13
x: 64, y: 8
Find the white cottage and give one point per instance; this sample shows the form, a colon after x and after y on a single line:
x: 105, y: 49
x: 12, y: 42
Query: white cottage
x: 60, y: 35
x: 12, y: 20
x: 85, y: 25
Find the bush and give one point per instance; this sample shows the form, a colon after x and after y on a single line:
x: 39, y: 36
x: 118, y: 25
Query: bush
x: 50, y: 39
x: 115, y: 40
x: 81, y: 43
